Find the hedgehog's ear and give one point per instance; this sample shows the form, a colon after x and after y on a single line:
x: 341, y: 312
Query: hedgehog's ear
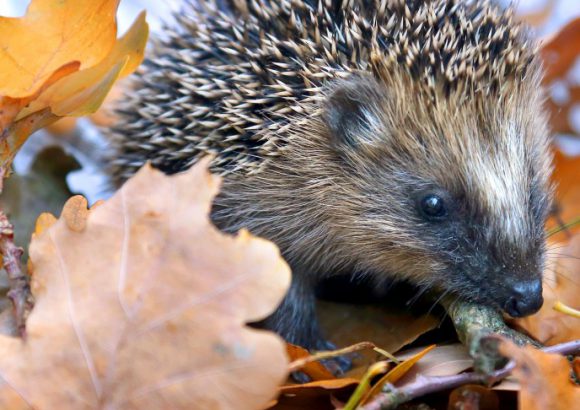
x: 352, y: 111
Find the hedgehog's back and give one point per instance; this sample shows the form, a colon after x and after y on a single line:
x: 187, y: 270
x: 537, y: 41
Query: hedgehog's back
x: 233, y: 82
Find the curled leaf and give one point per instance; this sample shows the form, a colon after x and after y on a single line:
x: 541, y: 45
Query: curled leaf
x: 60, y: 59
x: 52, y: 34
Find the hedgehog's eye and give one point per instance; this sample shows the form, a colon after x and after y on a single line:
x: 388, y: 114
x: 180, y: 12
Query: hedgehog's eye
x: 432, y: 206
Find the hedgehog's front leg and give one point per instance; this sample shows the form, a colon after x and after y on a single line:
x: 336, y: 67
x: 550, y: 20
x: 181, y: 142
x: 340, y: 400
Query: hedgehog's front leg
x: 295, y: 320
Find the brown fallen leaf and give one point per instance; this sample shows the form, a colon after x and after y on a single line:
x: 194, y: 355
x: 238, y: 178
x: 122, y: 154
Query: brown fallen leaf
x: 566, y: 177
x: 560, y: 50
x: 562, y: 111
x: 561, y: 283
x: 544, y: 378
x: 473, y: 397
x: 395, y: 374
x: 560, y: 53
x: 314, y: 395
x: 141, y: 303
x: 315, y: 370
x: 387, y: 327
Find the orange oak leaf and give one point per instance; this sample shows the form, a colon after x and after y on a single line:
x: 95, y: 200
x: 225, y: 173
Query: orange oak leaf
x: 50, y: 35
x: 544, y: 378
x: 315, y: 370
x: 142, y: 303
x: 60, y: 59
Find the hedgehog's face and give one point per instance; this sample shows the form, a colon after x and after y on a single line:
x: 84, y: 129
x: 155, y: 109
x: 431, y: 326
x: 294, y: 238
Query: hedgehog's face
x: 454, y: 199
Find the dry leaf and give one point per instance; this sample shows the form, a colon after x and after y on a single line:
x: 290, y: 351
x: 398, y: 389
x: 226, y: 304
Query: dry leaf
x: 315, y: 370
x: 473, y: 397
x: 388, y: 328
x: 51, y: 34
x: 397, y: 373
x: 559, y: 54
x: 141, y: 303
x: 544, y: 378
x: 441, y: 361
x: 39, y: 77
x: 566, y: 177
x: 562, y: 112
x: 82, y: 92
x: 314, y: 395
x: 44, y: 221
x: 560, y: 51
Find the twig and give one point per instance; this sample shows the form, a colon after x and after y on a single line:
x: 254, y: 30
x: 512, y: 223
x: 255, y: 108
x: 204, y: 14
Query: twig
x: 475, y: 322
x: 429, y: 384
x: 19, y: 292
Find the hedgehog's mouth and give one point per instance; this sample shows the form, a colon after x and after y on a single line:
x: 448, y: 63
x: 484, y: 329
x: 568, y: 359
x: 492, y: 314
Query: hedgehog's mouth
x: 522, y: 299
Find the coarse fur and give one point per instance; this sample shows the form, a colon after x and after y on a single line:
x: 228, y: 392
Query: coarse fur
x: 331, y: 120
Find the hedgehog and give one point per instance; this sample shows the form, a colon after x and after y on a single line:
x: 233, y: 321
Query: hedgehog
x: 388, y: 140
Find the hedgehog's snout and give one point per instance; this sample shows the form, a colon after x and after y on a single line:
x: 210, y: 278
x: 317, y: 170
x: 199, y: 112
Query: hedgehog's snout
x: 524, y: 298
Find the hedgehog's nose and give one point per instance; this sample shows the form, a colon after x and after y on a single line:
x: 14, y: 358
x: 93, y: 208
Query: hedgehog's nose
x: 526, y: 298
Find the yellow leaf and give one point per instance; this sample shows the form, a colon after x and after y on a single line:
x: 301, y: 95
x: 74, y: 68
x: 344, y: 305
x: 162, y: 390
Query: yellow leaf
x: 11, y: 107
x: 82, y: 92
x: 142, y: 303
x: 52, y: 34
x: 18, y: 132
x: 38, y: 87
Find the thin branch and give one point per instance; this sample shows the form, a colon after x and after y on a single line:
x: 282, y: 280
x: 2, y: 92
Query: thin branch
x: 423, y: 385
x: 19, y: 292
